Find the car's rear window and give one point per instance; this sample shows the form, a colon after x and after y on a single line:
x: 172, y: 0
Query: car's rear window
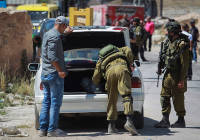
x: 84, y: 54
x: 78, y: 40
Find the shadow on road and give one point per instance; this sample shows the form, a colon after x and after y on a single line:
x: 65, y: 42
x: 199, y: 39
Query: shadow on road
x: 97, y: 126
x: 84, y: 126
x: 149, y: 130
x: 193, y: 127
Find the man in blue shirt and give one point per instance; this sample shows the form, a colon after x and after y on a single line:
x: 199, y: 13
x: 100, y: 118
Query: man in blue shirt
x: 52, y: 77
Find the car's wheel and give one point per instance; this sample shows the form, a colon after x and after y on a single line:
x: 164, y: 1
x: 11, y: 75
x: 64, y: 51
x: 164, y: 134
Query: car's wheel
x: 138, y: 119
x: 37, y: 125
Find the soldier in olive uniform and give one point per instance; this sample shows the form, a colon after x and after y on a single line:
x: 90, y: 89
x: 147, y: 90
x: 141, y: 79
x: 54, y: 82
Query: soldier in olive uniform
x: 114, y: 66
x: 136, y: 39
x: 176, y: 61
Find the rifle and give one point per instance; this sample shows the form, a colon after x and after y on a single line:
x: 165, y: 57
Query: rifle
x: 160, y: 63
x: 161, y: 67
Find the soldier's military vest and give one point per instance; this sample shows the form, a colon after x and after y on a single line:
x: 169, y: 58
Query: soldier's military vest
x: 173, y: 52
x: 109, y: 54
x: 137, y: 34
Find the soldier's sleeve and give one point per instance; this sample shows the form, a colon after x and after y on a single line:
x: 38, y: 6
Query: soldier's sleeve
x: 127, y: 51
x: 96, y: 78
x: 184, y: 57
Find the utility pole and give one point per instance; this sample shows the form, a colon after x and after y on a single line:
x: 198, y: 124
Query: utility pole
x: 161, y: 8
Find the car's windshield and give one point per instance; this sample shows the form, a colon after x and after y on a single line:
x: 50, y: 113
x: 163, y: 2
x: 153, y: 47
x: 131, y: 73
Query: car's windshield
x: 38, y: 15
x: 77, y: 54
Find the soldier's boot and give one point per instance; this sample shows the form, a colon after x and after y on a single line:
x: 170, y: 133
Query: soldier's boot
x: 129, y: 126
x: 112, y: 127
x: 180, y: 123
x: 164, y: 123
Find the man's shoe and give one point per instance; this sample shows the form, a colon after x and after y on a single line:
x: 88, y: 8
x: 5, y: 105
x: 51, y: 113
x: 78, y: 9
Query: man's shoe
x: 42, y: 133
x: 144, y: 60
x: 112, y: 127
x: 180, y: 123
x: 129, y: 126
x: 189, y: 78
x: 57, y: 133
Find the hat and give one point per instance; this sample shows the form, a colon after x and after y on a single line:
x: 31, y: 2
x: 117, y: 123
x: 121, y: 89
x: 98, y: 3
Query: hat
x: 62, y: 20
x: 173, y: 27
x: 136, y: 19
x: 192, y: 21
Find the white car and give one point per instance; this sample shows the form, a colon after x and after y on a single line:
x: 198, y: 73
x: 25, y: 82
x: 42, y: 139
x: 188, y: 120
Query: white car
x: 81, y: 97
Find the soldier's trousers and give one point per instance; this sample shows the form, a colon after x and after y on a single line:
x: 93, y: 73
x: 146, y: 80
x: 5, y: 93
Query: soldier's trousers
x: 171, y: 90
x: 118, y: 81
x: 135, y: 50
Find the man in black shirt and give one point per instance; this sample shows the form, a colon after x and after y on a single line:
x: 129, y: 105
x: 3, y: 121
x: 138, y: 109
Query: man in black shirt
x: 195, y: 35
x: 36, y: 48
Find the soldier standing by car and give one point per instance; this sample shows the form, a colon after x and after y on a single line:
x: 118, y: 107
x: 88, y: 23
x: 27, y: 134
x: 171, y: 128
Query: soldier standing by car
x: 52, y: 77
x: 136, y: 37
x: 114, y: 66
x: 176, y: 62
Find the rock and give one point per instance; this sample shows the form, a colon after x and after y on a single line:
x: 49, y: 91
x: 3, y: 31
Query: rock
x: 157, y: 38
x: 17, y: 96
x: 16, y: 102
x: 159, y: 22
x: 186, y: 19
x: 29, y: 102
x: 11, y: 130
x: 27, y: 98
x: 10, y: 97
x: 1, y: 132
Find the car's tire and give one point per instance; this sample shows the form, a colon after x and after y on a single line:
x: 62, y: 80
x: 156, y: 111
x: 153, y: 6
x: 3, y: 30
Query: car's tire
x: 37, y: 124
x: 138, y: 119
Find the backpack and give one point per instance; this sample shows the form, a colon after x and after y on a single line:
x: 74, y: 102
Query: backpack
x: 107, y: 50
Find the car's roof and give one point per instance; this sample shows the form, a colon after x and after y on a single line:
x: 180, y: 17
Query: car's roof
x: 94, y: 28
x: 98, y: 28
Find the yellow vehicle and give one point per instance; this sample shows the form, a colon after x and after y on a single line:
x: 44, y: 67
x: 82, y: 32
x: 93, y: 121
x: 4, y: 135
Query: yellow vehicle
x: 38, y: 12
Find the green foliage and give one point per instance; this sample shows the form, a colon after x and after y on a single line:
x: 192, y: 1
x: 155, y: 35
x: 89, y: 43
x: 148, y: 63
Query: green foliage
x: 3, y: 112
x: 2, y: 80
x: 24, y: 87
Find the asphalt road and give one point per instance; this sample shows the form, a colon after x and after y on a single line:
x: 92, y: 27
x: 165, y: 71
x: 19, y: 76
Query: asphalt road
x: 95, y: 128
x: 152, y: 108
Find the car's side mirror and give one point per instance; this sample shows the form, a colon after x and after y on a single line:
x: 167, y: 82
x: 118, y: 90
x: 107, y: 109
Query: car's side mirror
x: 137, y: 63
x: 33, y: 67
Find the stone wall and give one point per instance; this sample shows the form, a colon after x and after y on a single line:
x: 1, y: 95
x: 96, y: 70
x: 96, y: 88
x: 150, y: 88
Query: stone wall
x: 15, y: 36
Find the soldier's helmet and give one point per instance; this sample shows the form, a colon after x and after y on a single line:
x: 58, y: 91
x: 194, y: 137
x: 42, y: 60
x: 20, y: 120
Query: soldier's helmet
x: 173, y: 26
x: 136, y: 19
